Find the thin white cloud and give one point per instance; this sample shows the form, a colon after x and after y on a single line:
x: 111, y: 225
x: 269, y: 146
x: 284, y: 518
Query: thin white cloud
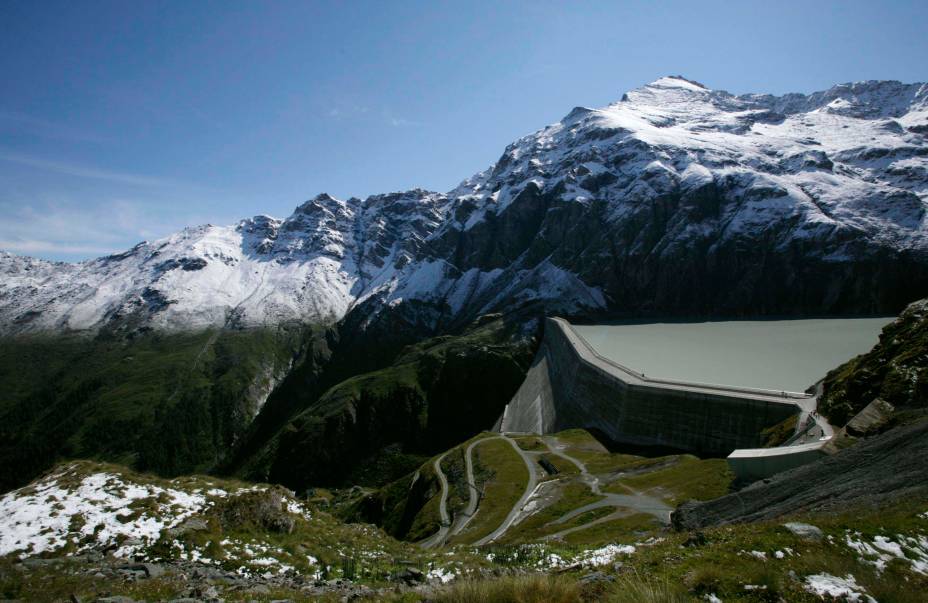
x: 83, y: 171
x: 347, y: 111
x: 399, y: 122
x: 14, y: 121
x: 73, y: 230
x: 36, y: 247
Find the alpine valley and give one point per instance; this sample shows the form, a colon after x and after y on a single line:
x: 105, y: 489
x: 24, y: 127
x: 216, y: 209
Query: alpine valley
x: 353, y: 353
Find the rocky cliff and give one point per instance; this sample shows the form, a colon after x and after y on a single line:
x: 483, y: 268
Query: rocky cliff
x: 894, y: 371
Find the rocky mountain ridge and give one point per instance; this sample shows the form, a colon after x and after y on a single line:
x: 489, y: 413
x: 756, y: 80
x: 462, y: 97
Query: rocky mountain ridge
x: 676, y: 199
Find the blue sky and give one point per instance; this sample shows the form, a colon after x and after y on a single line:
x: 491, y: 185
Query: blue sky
x: 123, y: 121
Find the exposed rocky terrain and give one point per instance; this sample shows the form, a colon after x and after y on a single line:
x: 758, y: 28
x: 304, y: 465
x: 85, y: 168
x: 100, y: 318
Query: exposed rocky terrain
x: 872, y: 474
x: 895, y: 371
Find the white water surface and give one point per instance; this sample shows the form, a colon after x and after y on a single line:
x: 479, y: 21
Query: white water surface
x: 786, y: 355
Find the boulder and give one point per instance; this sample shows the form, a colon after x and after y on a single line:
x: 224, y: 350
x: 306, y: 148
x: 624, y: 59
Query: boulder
x: 411, y: 575
x: 144, y: 570
x: 806, y: 531
x: 191, y: 525
x: 868, y: 421
x: 696, y: 538
x: 596, y: 578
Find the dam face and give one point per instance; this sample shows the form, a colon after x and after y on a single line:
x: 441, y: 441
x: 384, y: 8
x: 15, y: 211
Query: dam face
x: 571, y: 386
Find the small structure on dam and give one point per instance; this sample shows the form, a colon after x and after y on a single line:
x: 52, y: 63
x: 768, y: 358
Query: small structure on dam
x: 570, y: 385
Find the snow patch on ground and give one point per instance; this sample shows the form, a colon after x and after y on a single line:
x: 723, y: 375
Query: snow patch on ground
x: 71, y: 508
x: 442, y: 575
x: 882, y: 549
x: 604, y: 555
x: 847, y: 587
x: 100, y: 509
x: 543, y: 558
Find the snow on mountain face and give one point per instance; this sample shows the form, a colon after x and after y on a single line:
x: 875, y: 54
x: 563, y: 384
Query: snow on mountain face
x: 620, y: 208
x: 263, y: 271
x: 684, y: 199
x: 851, y: 157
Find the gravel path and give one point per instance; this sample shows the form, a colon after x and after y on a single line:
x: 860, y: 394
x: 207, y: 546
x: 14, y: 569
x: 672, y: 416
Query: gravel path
x: 439, y: 537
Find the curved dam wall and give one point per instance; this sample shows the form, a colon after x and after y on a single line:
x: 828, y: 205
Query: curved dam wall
x: 571, y: 386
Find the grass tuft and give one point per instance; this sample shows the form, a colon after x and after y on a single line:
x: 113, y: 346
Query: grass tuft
x: 636, y: 588
x: 534, y: 588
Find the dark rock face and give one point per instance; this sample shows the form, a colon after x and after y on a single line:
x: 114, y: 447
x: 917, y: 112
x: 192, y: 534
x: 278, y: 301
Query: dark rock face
x: 188, y: 264
x: 641, y: 265
x: 895, y: 371
x: 500, y: 239
x: 647, y: 219
x: 880, y: 470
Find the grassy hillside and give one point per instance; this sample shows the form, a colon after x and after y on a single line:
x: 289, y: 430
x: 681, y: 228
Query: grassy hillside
x: 170, y: 403
x: 434, y: 394
x: 652, y: 487
x: 259, y: 542
x: 858, y: 553
x: 500, y: 478
x: 185, y: 402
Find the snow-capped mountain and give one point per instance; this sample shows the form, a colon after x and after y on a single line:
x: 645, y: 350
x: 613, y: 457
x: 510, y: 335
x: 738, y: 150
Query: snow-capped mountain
x: 311, y: 266
x: 677, y: 198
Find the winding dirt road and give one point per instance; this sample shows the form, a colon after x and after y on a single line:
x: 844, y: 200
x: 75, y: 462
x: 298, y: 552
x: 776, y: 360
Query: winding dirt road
x: 449, y: 528
x: 439, y: 537
x: 624, y: 504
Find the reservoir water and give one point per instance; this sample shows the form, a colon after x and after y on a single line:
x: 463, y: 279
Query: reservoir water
x: 769, y: 354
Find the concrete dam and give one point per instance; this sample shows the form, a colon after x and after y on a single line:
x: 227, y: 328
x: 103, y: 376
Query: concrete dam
x: 570, y: 385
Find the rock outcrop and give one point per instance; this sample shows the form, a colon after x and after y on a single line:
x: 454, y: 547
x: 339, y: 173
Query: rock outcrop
x: 878, y: 471
x: 895, y: 371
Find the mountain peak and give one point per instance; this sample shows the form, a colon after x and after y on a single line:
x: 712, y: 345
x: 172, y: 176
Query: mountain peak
x: 577, y: 113
x: 670, y: 91
x: 678, y: 81
x: 323, y: 197
x: 320, y: 201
